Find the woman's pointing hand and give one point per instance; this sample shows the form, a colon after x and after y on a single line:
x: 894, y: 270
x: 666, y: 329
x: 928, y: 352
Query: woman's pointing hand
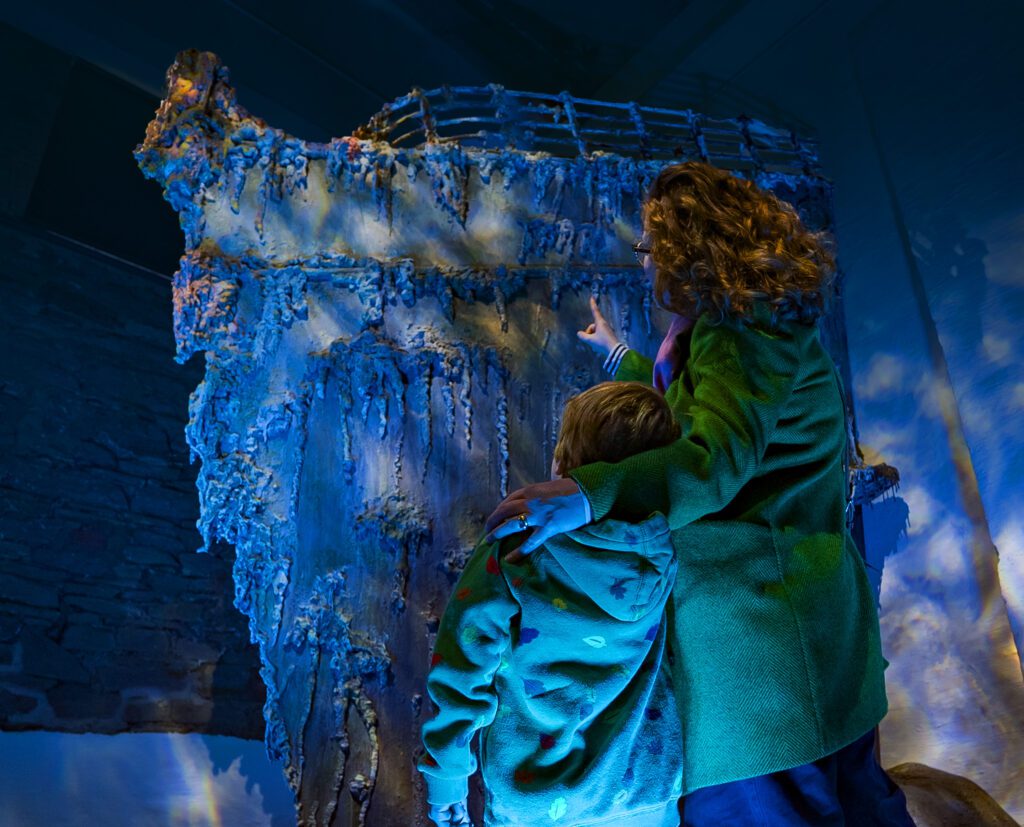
x: 598, y: 334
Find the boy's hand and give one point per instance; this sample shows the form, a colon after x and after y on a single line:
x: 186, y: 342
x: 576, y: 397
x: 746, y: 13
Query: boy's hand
x: 549, y: 508
x: 450, y: 815
x: 599, y: 334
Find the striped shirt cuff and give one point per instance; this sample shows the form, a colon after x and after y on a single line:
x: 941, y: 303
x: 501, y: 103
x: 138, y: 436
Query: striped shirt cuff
x: 611, y: 364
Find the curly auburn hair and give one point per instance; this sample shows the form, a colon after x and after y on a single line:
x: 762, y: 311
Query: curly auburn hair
x: 612, y: 421
x: 719, y: 243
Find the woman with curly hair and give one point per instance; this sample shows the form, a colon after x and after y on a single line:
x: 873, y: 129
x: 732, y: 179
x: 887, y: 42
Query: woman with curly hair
x: 777, y: 657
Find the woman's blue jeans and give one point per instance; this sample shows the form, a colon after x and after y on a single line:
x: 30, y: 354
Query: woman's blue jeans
x: 845, y: 789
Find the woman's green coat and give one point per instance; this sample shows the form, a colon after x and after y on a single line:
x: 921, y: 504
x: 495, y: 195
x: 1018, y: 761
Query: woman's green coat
x: 777, y: 652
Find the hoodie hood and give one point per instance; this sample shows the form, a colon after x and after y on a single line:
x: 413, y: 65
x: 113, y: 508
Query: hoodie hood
x: 625, y: 568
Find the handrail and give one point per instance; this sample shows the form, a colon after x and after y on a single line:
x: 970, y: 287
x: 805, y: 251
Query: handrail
x: 567, y: 126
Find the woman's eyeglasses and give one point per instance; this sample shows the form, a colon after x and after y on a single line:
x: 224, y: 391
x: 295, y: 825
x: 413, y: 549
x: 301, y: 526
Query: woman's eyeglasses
x: 640, y: 250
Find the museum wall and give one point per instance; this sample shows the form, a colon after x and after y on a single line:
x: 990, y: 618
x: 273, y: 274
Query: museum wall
x: 109, y: 620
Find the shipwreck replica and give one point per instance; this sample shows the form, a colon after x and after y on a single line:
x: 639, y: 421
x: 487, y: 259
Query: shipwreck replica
x: 388, y: 322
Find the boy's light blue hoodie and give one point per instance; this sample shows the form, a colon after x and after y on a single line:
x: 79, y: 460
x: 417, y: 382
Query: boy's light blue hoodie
x: 560, y: 661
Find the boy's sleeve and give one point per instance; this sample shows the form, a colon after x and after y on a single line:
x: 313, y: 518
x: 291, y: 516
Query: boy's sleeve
x: 473, y: 634
x: 742, y: 378
x: 635, y: 367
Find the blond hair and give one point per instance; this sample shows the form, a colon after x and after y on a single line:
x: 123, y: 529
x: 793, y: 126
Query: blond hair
x: 719, y: 243
x: 611, y: 421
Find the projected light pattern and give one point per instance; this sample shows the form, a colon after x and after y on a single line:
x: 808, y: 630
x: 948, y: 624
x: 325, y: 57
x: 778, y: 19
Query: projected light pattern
x: 955, y: 686
x: 140, y: 780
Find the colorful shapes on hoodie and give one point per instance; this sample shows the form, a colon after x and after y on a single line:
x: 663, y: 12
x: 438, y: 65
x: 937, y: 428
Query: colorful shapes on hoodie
x: 652, y: 713
x: 617, y: 590
x: 652, y: 633
x: 435, y: 659
x: 463, y: 593
x: 558, y: 808
x: 586, y: 710
x: 493, y: 567
x: 526, y: 634
x: 560, y: 604
x: 596, y: 641
x: 620, y: 797
x: 523, y: 776
x: 532, y: 686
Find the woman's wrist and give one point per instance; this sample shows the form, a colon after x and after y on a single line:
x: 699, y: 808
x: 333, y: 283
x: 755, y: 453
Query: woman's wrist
x: 611, y: 364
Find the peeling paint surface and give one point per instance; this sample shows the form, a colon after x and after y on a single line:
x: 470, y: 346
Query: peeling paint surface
x: 389, y: 339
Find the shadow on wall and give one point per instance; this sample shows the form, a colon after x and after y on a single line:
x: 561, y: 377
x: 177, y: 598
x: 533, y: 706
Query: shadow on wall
x: 890, y: 518
x: 952, y: 263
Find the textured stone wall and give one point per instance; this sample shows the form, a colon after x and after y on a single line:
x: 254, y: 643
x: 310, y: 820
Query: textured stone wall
x: 109, y: 619
x: 389, y: 338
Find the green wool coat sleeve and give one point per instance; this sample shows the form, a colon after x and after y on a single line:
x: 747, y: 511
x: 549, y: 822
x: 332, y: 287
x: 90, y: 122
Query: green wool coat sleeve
x: 635, y: 367
x: 738, y: 379
x: 473, y: 634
